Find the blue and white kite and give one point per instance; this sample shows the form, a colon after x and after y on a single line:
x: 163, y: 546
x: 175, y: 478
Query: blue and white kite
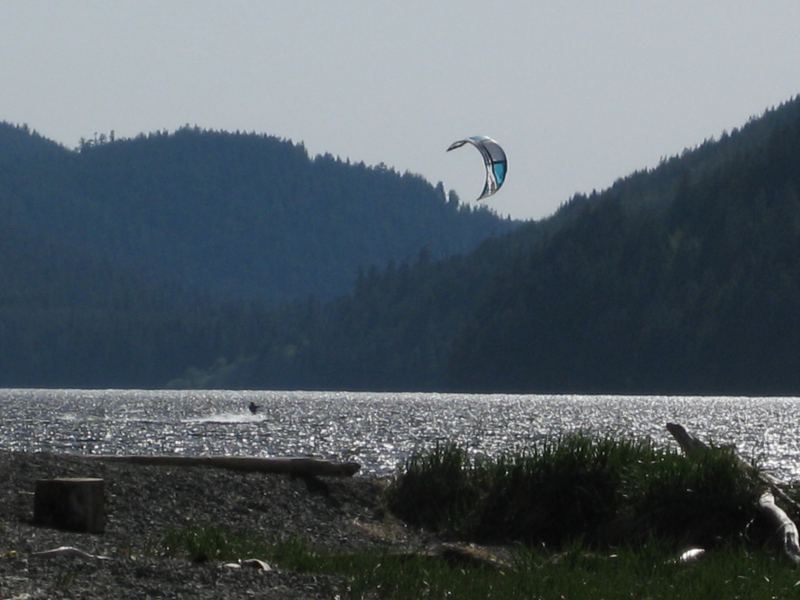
x: 493, y: 157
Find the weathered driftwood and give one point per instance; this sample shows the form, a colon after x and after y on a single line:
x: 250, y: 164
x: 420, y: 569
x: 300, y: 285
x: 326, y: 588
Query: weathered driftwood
x: 693, y: 447
x: 460, y: 554
x: 300, y: 466
x: 252, y: 563
x: 472, y: 555
x: 692, y: 555
x: 68, y: 551
x: 785, y: 528
x: 76, y: 503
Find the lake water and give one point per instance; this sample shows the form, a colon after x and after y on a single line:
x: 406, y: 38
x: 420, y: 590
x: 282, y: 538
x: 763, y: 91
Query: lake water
x: 378, y: 430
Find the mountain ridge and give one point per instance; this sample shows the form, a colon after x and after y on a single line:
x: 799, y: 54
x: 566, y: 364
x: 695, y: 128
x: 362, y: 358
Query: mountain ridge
x: 680, y: 279
x: 111, y: 246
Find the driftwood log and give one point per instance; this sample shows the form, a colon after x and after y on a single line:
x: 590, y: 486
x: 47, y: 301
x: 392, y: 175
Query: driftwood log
x: 785, y: 528
x: 693, y: 447
x: 68, y: 551
x: 76, y: 503
x: 300, y: 466
x: 460, y: 554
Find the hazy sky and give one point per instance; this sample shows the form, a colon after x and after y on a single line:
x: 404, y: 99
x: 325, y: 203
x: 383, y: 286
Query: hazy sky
x: 579, y: 93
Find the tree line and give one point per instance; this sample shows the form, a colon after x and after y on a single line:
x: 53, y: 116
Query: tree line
x: 680, y: 279
x: 126, y: 262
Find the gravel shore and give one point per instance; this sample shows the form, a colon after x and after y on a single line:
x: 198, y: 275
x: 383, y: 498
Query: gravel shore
x: 145, y: 502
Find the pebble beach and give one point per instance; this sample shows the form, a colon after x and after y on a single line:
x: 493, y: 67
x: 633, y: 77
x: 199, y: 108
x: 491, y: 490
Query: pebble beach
x: 144, y: 503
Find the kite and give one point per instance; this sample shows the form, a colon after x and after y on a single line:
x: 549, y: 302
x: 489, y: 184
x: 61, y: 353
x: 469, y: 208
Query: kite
x: 493, y: 157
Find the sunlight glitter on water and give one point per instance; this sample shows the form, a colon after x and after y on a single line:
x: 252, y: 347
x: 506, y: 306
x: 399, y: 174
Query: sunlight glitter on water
x: 377, y: 430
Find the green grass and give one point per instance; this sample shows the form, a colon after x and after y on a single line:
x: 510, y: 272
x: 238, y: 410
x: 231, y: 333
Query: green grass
x: 597, y: 490
x: 209, y: 542
x: 577, y: 575
x: 649, y: 572
x: 588, y: 518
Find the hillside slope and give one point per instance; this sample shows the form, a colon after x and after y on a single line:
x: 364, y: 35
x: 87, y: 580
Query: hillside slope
x: 127, y: 261
x: 681, y: 279
x: 233, y: 215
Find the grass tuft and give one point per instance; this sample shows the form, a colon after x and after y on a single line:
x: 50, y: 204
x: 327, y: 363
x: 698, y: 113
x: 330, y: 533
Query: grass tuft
x: 205, y: 543
x: 576, y: 488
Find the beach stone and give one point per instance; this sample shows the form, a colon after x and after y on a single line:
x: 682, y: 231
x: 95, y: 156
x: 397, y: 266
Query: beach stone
x: 73, y: 503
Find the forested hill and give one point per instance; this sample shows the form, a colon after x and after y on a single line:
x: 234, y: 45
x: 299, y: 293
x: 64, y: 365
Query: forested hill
x: 680, y: 279
x: 128, y: 260
x: 230, y: 215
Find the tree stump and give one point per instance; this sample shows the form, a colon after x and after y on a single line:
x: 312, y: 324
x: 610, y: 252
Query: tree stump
x: 75, y: 503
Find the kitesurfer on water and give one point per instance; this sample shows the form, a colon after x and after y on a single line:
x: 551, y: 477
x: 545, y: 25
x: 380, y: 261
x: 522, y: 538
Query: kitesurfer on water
x: 253, y: 407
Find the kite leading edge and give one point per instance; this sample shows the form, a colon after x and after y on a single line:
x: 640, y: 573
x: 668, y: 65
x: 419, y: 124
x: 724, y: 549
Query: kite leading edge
x: 494, y: 158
